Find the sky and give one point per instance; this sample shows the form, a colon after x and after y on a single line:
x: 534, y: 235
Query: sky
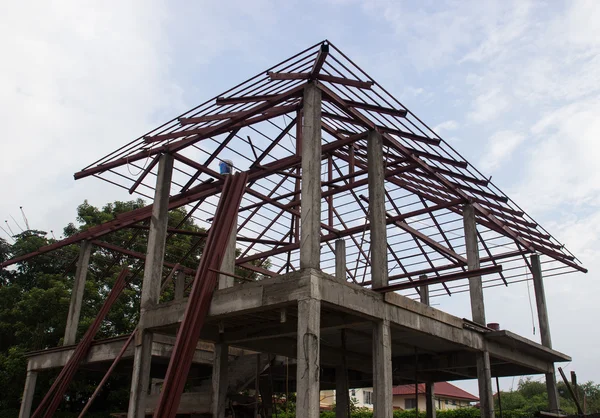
x: 514, y: 86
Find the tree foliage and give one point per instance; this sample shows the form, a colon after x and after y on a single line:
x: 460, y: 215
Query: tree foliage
x: 35, y: 297
x: 530, y: 397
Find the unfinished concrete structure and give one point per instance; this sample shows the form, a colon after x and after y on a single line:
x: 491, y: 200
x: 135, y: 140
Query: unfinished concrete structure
x: 355, y: 214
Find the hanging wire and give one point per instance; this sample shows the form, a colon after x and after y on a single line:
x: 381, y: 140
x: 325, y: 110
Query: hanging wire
x: 529, y: 297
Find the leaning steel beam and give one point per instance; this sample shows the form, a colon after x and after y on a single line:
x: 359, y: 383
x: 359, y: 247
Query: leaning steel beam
x: 200, y: 296
x: 56, y: 392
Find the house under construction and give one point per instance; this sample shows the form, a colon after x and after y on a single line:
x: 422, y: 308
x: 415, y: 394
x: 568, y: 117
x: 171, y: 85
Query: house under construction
x: 353, y: 213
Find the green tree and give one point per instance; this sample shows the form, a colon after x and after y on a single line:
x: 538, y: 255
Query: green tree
x: 35, y: 296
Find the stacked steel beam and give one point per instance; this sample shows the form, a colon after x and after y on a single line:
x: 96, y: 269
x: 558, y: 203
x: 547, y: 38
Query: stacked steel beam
x: 200, y: 297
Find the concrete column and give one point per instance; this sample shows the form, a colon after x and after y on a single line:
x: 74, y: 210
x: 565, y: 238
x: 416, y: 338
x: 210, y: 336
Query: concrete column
x: 377, y: 217
x: 429, y: 387
x: 342, y: 392
x: 228, y: 264
x: 475, y: 285
x: 382, y: 370
x: 220, y: 375
x: 429, y: 400
x: 308, y: 357
x: 540, y: 298
x: 342, y: 389
x: 179, y: 285
x: 77, y: 294
x: 157, y: 235
x: 28, y: 393
x: 340, y: 259
x: 142, y: 361
x: 484, y: 374
x: 310, y: 230
x: 220, y: 380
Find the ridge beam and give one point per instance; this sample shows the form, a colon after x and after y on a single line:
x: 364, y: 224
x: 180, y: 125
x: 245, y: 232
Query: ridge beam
x: 321, y: 57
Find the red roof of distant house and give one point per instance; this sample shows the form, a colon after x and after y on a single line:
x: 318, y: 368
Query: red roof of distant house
x: 444, y: 389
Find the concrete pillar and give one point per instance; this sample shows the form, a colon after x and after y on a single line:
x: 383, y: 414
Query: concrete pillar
x: 220, y: 380
x: 540, y: 298
x: 28, y: 393
x: 382, y: 370
x: 377, y: 217
x: 228, y: 264
x: 484, y: 372
x: 220, y: 377
x: 179, y: 285
x: 310, y: 230
x: 142, y: 361
x: 484, y: 378
x: 342, y: 392
x: 342, y: 389
x: 308, y: 357
x: 429, y: 387
x: 77, y: 295
x: 340, y: 259
x: 429, y: 400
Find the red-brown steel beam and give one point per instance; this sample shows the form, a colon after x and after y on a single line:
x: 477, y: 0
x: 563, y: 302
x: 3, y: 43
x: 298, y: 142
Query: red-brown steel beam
x: 274, y: 143
x: 318, y: 64
x: 139, y: 256
x: 441, y: 279
x: 200, y: 296
x: 426, y: 239
x: 178, y: 145
x: 367, y: 85
x: 211, y: 158
x: 144, y: 174
x: 248, y: 117
x: 56, y: 393
x: 349, y: 231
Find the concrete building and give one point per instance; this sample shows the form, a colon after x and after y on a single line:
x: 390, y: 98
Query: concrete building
x: 351, y: 215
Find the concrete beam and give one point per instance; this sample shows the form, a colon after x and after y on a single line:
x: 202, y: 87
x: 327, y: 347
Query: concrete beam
x: 377, y: 215
x: 310, y: 239
x: 382, y: 370
x: 77, y: 293
x: 308, y: 357
x: 106, y: 351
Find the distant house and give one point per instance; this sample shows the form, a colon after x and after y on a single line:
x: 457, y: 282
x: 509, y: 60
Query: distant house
x: 447, y: 396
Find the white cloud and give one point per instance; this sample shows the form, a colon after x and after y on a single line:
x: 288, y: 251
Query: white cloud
x: 77, y: 81
x: 499, y: 148
x: 446, y: 126
x: 562, y: 167
x: 488, y: 106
